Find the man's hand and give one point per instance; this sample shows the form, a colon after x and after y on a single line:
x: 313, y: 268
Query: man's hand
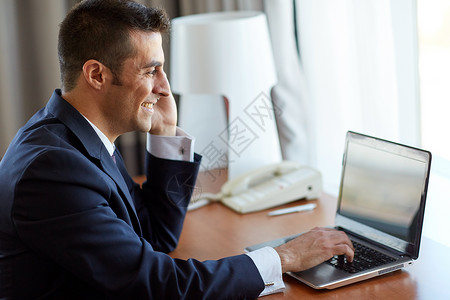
x: 164, y: 119
x: 313, y: 248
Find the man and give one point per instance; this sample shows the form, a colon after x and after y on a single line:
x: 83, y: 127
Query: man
x: 73, y: 224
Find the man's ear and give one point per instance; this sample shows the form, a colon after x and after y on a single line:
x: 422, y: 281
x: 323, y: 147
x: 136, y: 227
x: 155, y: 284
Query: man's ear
x: 95, y: 73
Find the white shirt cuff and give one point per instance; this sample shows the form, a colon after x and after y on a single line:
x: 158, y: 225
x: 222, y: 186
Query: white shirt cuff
x: 178, y: 147
x: 268, y: 263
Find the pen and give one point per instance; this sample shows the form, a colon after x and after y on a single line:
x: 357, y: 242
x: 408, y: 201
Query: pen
x: 289, y: 210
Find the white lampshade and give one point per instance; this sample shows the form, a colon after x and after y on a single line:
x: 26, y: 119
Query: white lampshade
x: 230, y: 54
x: 212, y: 53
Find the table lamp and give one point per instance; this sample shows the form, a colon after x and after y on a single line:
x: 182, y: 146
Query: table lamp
x: 227, y: 54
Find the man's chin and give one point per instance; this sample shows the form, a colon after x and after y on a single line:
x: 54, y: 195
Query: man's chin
x: 144, y: 130
x: 145, y: 127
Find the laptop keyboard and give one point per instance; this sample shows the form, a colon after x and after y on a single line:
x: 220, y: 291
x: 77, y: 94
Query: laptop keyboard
x: 365, y: 258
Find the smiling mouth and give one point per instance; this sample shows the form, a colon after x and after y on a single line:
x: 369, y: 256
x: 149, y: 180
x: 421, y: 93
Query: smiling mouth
x: 147, y: 106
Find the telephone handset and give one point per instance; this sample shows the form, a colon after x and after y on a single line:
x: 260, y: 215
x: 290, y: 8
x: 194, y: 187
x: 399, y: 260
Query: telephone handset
x: 269, y: 186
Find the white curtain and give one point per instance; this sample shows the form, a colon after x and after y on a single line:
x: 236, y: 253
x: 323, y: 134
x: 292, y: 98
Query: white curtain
x: 291, y: 93
x: 360, y: 60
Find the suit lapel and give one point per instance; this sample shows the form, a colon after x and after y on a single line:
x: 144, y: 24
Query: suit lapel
x: 112, y: 170
x: 68, y: 115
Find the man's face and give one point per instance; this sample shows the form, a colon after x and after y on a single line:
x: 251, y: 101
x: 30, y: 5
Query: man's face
x: 142, y: 81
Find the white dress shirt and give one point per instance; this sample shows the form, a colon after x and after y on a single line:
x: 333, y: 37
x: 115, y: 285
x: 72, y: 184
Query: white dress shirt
x: 181, y: 147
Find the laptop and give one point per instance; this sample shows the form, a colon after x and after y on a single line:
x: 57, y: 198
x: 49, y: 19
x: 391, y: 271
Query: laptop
x: 381, y: 207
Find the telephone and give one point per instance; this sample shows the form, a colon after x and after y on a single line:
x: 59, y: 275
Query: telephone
x: 267, y: 187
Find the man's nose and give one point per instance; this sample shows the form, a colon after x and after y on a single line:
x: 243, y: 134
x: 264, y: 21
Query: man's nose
x: 162, y: 86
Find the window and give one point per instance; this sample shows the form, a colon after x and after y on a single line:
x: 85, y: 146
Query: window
x: 381, y: 68
x: 434, y: 70
x: 360, y: 62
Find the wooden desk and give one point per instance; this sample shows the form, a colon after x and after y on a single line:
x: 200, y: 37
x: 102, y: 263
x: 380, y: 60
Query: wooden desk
x: 214, y: 231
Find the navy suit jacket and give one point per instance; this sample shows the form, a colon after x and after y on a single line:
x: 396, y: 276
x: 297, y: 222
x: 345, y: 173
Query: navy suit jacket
x: 74, y: 225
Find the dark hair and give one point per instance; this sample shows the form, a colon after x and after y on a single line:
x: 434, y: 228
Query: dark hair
x: 100, y: 30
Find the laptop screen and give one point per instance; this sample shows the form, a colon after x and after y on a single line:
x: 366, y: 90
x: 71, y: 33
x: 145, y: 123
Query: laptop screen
x: 383, y: 186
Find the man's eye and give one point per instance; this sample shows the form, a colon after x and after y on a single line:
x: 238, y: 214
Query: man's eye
x: 152, y: 72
